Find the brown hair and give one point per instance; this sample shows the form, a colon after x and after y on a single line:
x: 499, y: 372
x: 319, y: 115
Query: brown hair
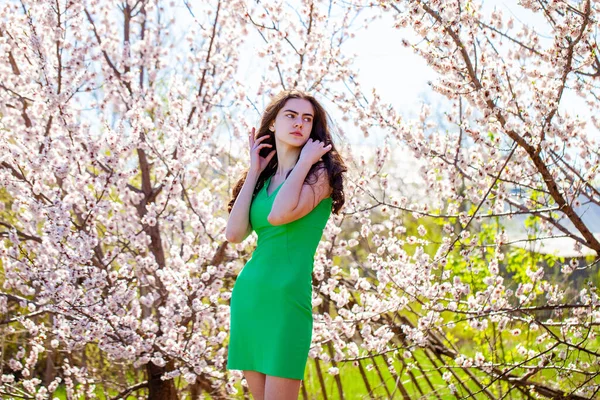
x: 321, y: 130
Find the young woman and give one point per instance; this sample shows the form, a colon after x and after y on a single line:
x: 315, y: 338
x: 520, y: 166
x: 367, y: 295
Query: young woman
x: 287, y: 200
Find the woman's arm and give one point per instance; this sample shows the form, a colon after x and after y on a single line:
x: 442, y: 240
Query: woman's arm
x: 238, y: 224
x: 296, y: 199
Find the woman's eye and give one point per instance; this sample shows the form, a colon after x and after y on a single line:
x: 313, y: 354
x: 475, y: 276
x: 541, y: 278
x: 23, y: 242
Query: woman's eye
x: 307, y: 119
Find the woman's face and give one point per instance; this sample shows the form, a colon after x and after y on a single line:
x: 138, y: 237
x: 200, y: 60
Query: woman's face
x: 293, y: 122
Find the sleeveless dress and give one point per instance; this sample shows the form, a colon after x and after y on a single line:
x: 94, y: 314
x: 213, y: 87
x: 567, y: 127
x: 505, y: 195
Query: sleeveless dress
x: 271, y: 311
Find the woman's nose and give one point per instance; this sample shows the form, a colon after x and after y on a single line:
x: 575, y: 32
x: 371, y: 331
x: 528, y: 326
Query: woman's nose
x: 298, y: 122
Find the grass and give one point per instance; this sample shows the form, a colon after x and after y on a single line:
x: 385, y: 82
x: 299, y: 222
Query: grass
x: 61, y: 393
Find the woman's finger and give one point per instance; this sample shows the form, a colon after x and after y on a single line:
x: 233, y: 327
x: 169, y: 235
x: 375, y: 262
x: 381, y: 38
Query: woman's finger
x: 251, y: 134
x: 257, y: 141
x: 262, y: 145
x: 262, y: 138
x: 270, y: 155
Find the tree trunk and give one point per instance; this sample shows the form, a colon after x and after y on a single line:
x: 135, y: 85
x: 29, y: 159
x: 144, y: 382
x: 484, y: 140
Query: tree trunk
x: 203, y: 385
x: 159, y: 389
x: 50, y: 372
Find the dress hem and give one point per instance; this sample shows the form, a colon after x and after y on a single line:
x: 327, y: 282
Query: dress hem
x: 262, y: 371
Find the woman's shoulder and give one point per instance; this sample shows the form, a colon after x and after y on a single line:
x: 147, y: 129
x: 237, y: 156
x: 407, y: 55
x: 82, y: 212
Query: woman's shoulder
x: 322, y: 178
x: 320, y: 168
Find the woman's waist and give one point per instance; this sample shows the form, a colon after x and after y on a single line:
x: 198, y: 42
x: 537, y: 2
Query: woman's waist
x: 276, y: 273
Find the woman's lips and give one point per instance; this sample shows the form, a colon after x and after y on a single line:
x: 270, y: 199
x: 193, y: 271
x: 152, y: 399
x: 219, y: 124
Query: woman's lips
x: 296, y: 134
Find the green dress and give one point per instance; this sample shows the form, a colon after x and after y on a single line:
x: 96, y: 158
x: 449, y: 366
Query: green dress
x: 271, y: 311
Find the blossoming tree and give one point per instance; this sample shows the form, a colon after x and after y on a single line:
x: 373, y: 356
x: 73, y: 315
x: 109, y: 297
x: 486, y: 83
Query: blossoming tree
x: 114, y: 187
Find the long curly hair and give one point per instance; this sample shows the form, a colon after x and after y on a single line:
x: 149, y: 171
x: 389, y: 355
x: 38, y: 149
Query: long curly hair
x: 321, y: 130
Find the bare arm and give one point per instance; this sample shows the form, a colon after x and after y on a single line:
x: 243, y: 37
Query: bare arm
x: 289, y: 195
x: 238, y: 224
x: 295, y: 198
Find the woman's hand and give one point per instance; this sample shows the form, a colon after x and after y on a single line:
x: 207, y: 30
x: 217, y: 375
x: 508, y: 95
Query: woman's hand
x: 258, y: 163
x: 313, y: 150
